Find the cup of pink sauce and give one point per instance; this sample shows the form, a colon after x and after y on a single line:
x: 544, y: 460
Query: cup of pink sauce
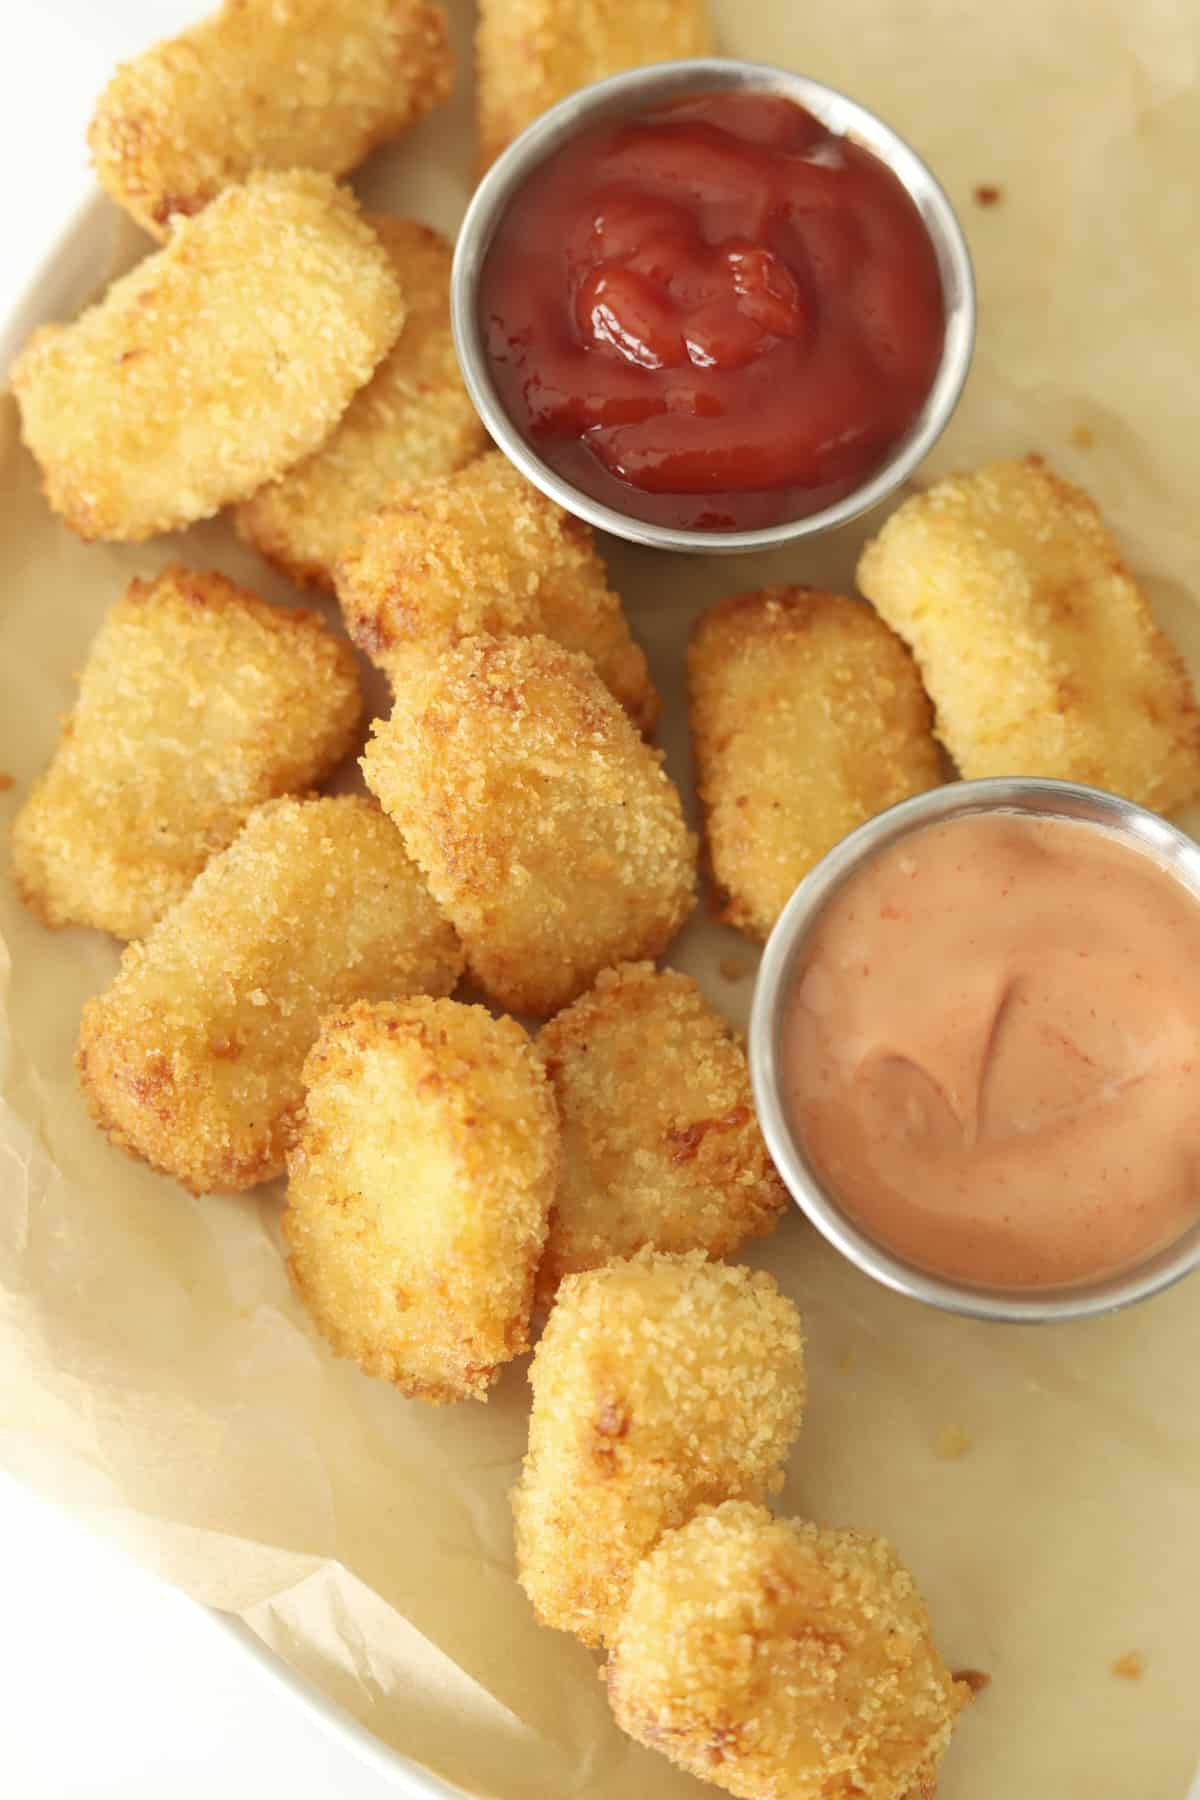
x: 975, y: 1046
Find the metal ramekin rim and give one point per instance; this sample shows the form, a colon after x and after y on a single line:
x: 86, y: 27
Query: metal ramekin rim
x: 1025, y: 794
x: 656, y: 82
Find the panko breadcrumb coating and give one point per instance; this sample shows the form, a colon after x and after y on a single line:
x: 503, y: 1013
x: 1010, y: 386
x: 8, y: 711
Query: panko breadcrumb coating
x: 532, y: 53
x: 192, y: 1058
x: 661, y: 1145
x: 485, y: 551
x: 776, y: 1658
x: 413, y: 421
x: 808, y: 717
x: 1038, y: 648
x: 548, y: 831
x: 214, y: 364
x: 419, y: 1189
x: 265, y: 84
x: 660, y: 1384
x: 197, y: 702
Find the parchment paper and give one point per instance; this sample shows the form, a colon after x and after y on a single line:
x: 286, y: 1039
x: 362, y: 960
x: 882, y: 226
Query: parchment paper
x: 160, y: 1380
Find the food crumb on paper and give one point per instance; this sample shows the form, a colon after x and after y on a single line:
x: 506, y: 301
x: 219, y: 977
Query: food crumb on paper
x: 1129, y: 1666
x: 975, y: 1679
x: 6, y: 781
x: 1083, y: 437
x: 952, y: 1442
x: 988, y: 194
x: 734, y: 968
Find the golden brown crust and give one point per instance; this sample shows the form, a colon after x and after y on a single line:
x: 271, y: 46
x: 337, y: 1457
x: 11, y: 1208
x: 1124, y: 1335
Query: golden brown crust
x: 548, y: 831
x: 807, y: 717
x: 214, y: 364
x: 485, y: 551
x: 1038, y: 648
x: 197, y: 702
x: 532, y: 53
x: 661, y: 1145
x: 192, y: 1057
x: 412, y: 422
x: 419, y: 1189
x: 774, y: 1657
x: 264, y: 84
x: 660, y: 1384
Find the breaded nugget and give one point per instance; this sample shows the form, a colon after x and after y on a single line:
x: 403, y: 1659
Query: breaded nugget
x: 485, y: 551
x: 192, y: 1058
x: 807, y: 717
x: 1038, y: 649
x: 774, y: 1657
x: 419, y: 1189
x: 214, y: 364
x: 660, y: 1384
x: 660, y: 1141
x: 549, y: 833
x: 265, y: 84
x: 197, y: 702
x: 413, y: 421
x: 532, y: 53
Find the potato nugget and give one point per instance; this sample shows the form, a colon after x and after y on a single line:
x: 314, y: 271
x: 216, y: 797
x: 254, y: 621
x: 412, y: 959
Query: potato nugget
x: 775, y: 1657
x: 198, y: 701
x: 214, y: 364
x: 660, y: 1141
x: 192, y: 1058
x: 485, y: 551
x: 1039, y: 650
x: 532, y: 53
x: 807, y: 718
x: 419, y: 1189
x: 265, y: 84
x: 660, y: 1384
x: 413, y: 421
x: 549, y: 833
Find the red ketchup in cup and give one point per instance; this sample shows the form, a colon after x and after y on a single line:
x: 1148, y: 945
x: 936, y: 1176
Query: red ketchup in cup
x: 718, y: 316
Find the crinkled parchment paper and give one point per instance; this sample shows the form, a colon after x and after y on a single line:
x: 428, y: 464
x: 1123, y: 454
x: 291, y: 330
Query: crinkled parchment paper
x: 158, y: 1377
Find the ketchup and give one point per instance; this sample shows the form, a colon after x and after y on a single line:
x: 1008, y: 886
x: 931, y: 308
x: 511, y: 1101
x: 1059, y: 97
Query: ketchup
x: 719, y: 316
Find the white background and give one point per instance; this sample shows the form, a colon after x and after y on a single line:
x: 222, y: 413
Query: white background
x: 129, y: 1690
x: 133, y: 1692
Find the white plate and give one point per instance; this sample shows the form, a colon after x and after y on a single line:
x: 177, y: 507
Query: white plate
x: 65, y: 281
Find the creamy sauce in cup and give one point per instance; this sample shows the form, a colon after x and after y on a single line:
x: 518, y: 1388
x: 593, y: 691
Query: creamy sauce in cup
x: 991, y: 1051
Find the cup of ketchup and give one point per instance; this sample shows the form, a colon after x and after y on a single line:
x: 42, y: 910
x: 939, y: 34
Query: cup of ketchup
x: 711, y: 305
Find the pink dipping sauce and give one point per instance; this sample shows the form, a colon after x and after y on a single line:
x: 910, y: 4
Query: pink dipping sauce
x: 991, y: 1051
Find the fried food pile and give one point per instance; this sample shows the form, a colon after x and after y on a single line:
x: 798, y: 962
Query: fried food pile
x: 285, y: 997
